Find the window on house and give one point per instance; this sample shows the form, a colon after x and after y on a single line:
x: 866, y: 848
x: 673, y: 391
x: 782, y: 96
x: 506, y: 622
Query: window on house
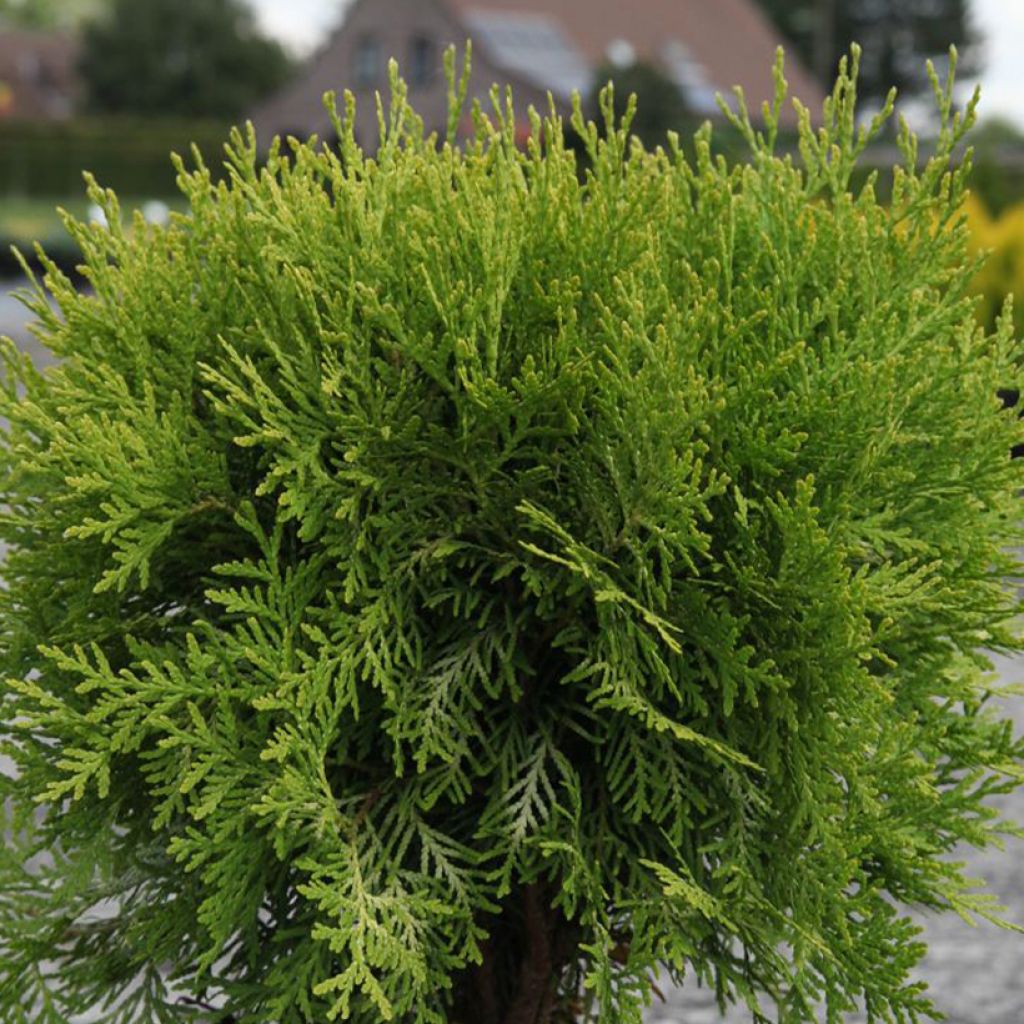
x: 367, y: 62
x: 422, y: 65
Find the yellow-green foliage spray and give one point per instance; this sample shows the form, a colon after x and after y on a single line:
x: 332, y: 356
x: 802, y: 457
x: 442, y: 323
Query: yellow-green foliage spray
x: 446, y: 586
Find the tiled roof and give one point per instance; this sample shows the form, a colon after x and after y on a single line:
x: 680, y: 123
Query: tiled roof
x: 534, y: 47
x: 724, y: 42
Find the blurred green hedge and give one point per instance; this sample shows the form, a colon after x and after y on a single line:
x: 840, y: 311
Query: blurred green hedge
x: 130, y: 156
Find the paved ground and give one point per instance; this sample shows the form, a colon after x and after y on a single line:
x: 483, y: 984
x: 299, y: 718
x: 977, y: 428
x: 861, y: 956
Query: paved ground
x: 976, y: 975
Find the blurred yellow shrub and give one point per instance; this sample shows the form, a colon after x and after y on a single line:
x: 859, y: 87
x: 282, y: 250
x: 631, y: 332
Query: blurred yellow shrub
x: 1002, y: 239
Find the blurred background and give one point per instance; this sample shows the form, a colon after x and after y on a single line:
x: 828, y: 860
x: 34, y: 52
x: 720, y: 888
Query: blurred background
x: 112, y: 86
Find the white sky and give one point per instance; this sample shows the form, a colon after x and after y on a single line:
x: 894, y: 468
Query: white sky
x: 1001, y: 23
x: 302, y: 24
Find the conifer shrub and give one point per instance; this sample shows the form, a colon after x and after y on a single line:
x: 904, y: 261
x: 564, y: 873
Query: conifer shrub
x: 446, y: 586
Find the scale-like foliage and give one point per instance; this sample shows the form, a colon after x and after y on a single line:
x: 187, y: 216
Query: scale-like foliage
x: 446, y: 586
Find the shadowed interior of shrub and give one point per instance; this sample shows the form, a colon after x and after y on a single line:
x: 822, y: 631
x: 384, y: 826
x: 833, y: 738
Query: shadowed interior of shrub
x: 448, y: 585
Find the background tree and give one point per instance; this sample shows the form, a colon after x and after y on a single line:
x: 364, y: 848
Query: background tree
x: 998, y: 176
x: 48, y: 13
x: 192, y: 58
x: 661, y: 107
x: 896, y: 36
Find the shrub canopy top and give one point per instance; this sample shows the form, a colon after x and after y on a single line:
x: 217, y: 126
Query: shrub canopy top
x: 445, y: 585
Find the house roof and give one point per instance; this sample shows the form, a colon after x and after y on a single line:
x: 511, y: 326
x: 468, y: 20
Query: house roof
x: 532, y: 46
x: 537, y: 46
x: 715, y: 44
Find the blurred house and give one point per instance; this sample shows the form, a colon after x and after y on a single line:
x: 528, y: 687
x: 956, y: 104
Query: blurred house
x: 537, y: 46
x: 38, y: 75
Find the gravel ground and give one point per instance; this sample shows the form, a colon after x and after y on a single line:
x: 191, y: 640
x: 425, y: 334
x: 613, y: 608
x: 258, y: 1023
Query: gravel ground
x: 13, y: 324
x: 976, y: 975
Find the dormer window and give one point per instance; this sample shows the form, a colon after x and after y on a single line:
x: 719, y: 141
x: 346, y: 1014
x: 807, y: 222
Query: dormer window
x: 422, y: 61
x: 367, y: 62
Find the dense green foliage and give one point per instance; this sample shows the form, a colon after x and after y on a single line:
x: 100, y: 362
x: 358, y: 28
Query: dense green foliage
x: 897, y: 37
x: 179, y: 58
x: 443, y: 587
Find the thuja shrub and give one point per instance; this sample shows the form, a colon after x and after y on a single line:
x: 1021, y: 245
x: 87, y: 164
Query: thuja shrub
x: 453, y: 585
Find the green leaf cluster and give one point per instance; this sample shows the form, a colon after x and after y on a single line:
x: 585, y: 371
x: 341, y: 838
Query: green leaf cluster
x: 447, y: 585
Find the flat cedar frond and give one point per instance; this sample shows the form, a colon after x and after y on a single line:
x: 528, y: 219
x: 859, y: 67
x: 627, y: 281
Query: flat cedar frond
x: 454, y: 585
